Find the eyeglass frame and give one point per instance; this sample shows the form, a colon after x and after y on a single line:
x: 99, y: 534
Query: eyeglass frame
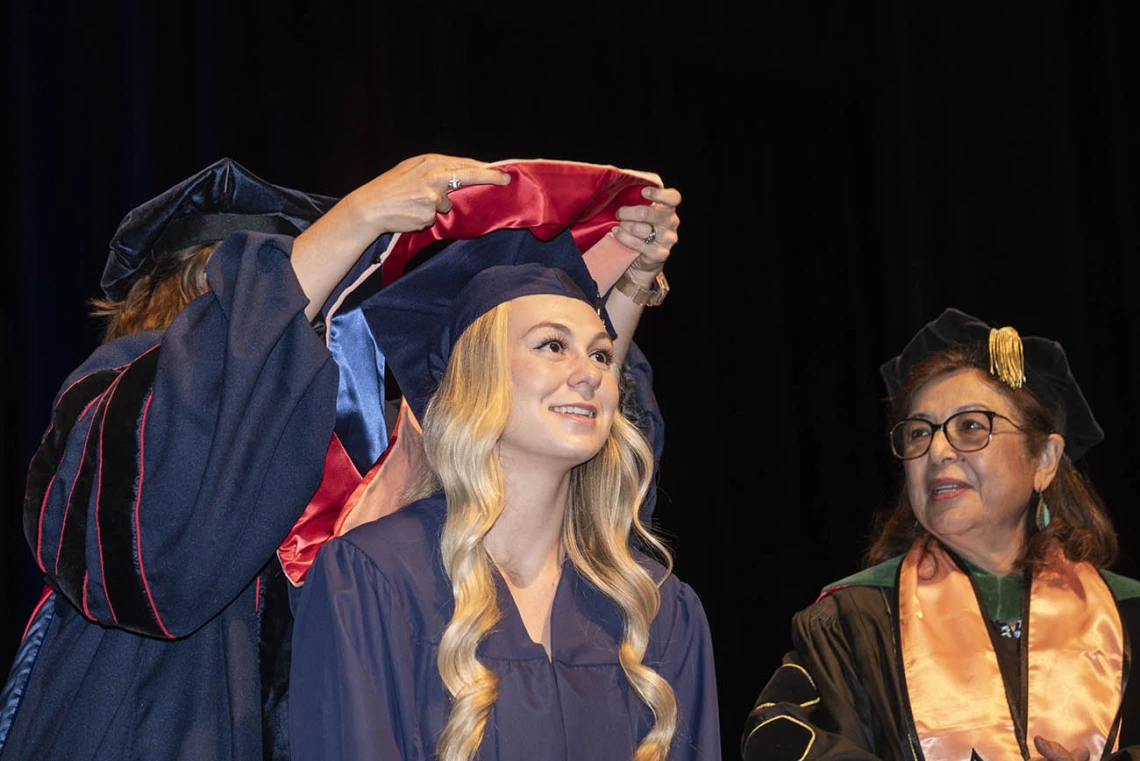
x: 936, y: 427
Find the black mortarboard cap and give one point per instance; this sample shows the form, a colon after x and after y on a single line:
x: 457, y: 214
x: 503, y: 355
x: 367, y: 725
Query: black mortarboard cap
x: 221, y: 199
x: 1046, y: 371
x: 418, y: 318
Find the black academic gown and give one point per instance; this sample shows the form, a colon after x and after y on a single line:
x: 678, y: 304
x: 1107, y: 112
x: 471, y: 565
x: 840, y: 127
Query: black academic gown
x: 175, y: 464
x: 840, y: 694
x: 365, y: 683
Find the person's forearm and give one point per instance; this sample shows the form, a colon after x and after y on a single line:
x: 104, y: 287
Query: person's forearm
x: 624, y: 316
x: 324, y: 253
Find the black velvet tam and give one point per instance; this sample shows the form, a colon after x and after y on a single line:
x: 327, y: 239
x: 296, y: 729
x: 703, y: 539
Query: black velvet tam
x: 221, y: 199
x: 1046, y: 370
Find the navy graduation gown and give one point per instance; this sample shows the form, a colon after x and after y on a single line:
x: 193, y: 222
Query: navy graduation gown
x: 365, y: 683
x: 175, y: 464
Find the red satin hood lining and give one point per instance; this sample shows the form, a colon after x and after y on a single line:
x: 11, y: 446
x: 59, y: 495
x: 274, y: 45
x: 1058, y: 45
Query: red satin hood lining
x: 586, y: 201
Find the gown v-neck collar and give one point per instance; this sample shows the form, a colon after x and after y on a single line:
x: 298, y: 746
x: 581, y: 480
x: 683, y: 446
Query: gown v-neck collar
x: 511, y: 624
x: 585, y: 626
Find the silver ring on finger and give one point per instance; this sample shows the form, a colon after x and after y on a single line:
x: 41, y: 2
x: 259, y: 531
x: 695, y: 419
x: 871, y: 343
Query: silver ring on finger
x: 454, y: 183
x: 652, y: 234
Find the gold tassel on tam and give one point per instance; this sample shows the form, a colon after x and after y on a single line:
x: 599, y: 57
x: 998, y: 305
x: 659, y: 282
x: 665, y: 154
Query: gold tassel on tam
x: 1007, y: 358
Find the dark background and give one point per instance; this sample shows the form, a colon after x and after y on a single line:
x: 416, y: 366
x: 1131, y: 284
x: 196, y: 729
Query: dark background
x: 849, y: 170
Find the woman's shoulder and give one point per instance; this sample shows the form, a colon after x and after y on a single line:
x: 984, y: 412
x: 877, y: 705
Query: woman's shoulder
x: 416, y: 520
x: 838, y: 606
x: 398, y: 557
x: 116, y: 354
x: 1122, y: 587
x: 1126, y: 592
x: 879, y: 576
x: 681, y: 609
x: 671, y: 587
x: 859, y: 603
x: 400, y: 544
x: 853, y: 592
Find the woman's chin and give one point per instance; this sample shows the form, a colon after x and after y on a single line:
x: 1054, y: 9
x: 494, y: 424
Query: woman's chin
x: 949, y: 522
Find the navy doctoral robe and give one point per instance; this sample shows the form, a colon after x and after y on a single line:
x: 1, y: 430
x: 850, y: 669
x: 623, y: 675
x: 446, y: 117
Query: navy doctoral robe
x: 175, y: 464
x: 365, y: 684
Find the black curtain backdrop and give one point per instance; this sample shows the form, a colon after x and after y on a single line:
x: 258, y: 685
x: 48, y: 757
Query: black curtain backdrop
x: 849, y: 170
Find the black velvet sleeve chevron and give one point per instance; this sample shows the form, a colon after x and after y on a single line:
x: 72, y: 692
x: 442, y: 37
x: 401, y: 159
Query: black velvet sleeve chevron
x: 177, y: 462
x: 836, y: 694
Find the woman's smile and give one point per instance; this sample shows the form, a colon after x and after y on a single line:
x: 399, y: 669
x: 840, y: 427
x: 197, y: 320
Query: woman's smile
x: 944, y: 489
x: 578, y: 412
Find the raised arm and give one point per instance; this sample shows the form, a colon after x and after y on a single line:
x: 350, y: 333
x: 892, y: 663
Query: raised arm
x: 405, y: 198
x: 176, y: 461
x: 651, y: 231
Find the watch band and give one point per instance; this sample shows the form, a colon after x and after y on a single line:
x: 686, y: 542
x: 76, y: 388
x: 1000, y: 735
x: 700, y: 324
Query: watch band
x: 646, y: 297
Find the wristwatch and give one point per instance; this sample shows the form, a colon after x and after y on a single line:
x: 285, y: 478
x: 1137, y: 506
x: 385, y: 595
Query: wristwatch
x: 645, y: 297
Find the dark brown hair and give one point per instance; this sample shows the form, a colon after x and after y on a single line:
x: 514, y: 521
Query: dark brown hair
x: 156, y: 298
x: 1079, y: 523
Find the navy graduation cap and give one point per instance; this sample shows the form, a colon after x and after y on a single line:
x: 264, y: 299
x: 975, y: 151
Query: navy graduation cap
x: 223, y: 198
x: 418, y: 318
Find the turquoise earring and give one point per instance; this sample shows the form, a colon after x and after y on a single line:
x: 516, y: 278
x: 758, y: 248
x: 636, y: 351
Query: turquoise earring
x: 1043, y: 516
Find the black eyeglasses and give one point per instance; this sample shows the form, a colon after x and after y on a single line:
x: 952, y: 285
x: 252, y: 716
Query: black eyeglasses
x: 966, y: 431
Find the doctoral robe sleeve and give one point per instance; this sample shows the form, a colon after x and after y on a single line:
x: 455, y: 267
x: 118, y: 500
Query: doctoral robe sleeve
x: 176, y: 462
x: 1128, y: 738
x: 814, y: 706
x: 686, y: 663
x: 351, y: 684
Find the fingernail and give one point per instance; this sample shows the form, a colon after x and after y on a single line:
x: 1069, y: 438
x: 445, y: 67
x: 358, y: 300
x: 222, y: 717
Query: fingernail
x: 506, y: 178
x: 646, y: 192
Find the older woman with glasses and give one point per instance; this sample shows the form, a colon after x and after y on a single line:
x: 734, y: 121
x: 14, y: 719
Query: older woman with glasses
x: 986, y: 626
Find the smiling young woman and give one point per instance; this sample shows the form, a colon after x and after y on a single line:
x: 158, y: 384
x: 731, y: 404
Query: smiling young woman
x: 508, y: 611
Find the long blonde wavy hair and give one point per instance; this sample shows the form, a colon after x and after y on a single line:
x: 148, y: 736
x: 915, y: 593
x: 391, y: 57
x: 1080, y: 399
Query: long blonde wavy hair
x: 462, y: 426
